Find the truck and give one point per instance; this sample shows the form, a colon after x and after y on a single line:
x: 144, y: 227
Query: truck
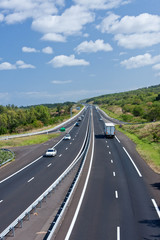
x: 109, y: 129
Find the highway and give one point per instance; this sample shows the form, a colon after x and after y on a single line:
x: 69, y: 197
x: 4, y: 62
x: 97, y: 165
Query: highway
x: 117, y: 204
x: 23, y: 188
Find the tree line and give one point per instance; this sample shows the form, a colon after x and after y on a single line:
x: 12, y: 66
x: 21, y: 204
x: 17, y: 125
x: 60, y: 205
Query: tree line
x: 16, y: 120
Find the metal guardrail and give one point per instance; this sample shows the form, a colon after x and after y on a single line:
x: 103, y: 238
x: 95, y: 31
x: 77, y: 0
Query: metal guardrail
x: 8, y: 160
x: 44, y: 195
x: 41, y: 132
x: 63, y: 206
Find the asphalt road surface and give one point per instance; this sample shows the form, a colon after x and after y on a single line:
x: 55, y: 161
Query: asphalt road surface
x: 117, y: 204
x: 20, y: 190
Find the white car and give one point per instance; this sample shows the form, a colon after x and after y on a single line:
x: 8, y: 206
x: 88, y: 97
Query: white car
x: 51, y: 152
x: 67, y: 136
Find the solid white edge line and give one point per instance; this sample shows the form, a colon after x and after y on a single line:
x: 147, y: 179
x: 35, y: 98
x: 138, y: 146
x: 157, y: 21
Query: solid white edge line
x: 82, y: 195
x: 30, y: 179
x: 156, y: 207
x: 133, y: 163
x: 117, y: 139
x: 118, y: 233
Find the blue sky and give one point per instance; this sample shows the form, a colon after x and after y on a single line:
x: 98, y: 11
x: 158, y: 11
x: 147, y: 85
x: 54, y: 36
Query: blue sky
x: 56, y: 50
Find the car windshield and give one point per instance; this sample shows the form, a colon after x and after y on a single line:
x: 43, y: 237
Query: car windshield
x: 67, y: 135
x: 51, y: 150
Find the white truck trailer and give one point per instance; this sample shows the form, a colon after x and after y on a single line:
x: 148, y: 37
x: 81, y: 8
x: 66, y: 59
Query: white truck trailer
x: 109, y: 129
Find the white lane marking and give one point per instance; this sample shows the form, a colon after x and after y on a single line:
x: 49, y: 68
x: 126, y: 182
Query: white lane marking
x: 107, y: 146
x: 111, y: 161
x: 21, y: 169
x: 114, y: 174
x: 109, y: 152
x: 118, y: 233
x: 73, y: 139
x: 116, y: 194
x: 49, y: 165
x: 106, y: 141
x: 30, y: 179
x: 70, y: 142
x: 117, y: 139
x: 156, y: 207
x: 60, y: 155
x: 133, y: 163
x: 66, y: 148
x: 1, y: 201
x: 82, y: 196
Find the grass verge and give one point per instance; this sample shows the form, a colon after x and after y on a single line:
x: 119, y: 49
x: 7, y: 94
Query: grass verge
x: 150, y: 151
x: 24, y: 141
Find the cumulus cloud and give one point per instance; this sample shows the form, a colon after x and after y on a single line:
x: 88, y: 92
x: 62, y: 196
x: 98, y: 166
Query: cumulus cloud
x: 61, y: 82
x: 70, y: 22
x: 53, y: 37
x: 7, y: 66
x: 62, y: 60
x: 20, y: 10
x: 19, y: 64
x: 101, y: 4
x: 23, y: 65
x: 156, y: 67
x: 133, y: 31
x: 91, y: 46
x: 47, y: 50
x: 29, y: 50
x: 140, y: 61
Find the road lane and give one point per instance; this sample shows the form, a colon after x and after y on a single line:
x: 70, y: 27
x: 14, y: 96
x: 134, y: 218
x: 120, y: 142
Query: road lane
x: 17, y: 193
x: 115, y: 206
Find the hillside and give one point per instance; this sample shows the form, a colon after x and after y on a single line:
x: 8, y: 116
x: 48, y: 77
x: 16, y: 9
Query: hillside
x: 141, y: 105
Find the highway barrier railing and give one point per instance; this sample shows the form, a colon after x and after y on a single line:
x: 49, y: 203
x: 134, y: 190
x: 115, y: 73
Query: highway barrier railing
x: 41, y: 132
x: 27, y: 212
x: 62, y: 208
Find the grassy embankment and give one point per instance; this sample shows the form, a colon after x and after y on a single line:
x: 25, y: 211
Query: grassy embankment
x: 146, y: 137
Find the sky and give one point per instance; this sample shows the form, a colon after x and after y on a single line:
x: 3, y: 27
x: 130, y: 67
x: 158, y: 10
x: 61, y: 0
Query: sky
x: 61, y: 50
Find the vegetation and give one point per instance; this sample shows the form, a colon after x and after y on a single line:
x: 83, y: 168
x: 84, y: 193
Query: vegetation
x: 24, y: 141
x: 147, y: 139
x: 142, y: 105
x: 18, y: 120
x: 5, y: 155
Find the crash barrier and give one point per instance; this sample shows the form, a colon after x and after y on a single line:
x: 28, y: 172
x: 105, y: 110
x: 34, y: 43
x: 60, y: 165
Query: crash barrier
x: 26, y: 213
x: 8, y: 160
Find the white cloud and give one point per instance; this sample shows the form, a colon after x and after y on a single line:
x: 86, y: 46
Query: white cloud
x: 61, y: 82
x: 22, y: 65
x: 157, y: 74
x: 1, y: 17
x: 62, y: 60
x: 100, y: 4
x: 47, y: 50
x: 29, y: 50
x: 7, y: 66
x: 133, y: 31
x: 20, y: 10
x: 53, y: 37
x: 70, y: 22
x: 91, y: 46
x: 133, y: 41
x: 140, y: 61
x: 156, y: 67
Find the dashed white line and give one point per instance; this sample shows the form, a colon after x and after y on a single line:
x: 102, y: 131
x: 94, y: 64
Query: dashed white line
x: 109, y: 152
x: 30, y: 179
x: 70, y: 142
x: 118, y: 233
x: 111, y: 161
x: 117, y: 139
x: 116, y: 194
x: 114, y: 174
x: 49, y: 165
x: 156, y: 207
x: 1, y: 201
x: 107, y: 146
x: 66, y: 148
x: 133, y: 163
x: 60, y: 155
